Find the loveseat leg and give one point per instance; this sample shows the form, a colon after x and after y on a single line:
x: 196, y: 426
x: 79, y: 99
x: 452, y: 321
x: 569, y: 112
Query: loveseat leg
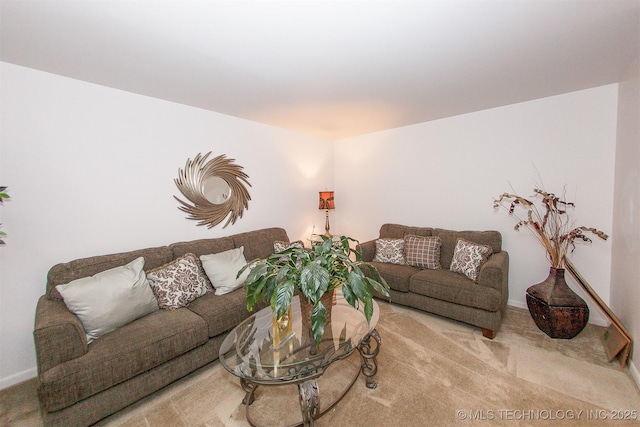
x: 488, y: 333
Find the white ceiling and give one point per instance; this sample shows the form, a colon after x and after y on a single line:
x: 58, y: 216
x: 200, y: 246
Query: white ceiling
x: 329, y: 68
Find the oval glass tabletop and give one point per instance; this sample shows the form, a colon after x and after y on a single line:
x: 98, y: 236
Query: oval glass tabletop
x: 262, y: 351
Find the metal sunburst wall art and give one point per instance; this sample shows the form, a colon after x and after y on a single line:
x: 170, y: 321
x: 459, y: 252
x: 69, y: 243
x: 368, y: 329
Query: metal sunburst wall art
x: 215, y: 189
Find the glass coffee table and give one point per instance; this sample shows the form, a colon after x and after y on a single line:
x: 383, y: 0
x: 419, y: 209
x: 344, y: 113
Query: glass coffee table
x: 262, y: 352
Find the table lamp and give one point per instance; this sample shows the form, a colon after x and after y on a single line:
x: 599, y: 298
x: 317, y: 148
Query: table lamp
x: 326, y: 203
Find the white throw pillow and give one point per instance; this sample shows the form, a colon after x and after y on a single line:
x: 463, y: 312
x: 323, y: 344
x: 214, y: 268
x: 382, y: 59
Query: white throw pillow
x: 222, y: 269
x: 109, y: 299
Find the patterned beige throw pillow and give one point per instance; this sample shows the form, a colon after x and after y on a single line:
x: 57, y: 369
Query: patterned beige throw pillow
x: 178, y: 283
x: 423, y: 252
x: 468, y: 258
x: 390, y: 251
x: 279, y: 245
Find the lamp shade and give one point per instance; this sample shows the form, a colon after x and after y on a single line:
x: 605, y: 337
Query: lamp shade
x: 326, y: 200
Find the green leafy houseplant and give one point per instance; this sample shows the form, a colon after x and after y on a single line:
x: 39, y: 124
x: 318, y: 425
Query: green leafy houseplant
x: 551, y: 224
x: 314, y: 272
x: 3, y: 196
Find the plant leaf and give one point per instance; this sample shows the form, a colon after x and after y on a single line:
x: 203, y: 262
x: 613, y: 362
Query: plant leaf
x: 314, y: 281
x: 368, y: 309
x: 378, y: 287
x: 257, y: 271
x: 348, y: 294
x: 318, y: 320
x: 255, y: 292
x: 359, y: 287
x: 281, y: 299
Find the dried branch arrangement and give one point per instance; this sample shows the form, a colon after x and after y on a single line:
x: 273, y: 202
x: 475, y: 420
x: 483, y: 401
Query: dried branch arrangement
x: 551, y: 224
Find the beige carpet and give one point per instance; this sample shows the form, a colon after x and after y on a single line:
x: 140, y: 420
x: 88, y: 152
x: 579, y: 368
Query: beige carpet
x: 432, y: 372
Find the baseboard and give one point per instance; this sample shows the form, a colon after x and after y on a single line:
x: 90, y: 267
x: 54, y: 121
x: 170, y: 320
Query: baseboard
x: 518, y: 304
x: 634, y: 372
x: 18, y: 378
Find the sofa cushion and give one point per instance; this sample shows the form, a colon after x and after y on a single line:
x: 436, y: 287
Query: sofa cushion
x: 468, y: 257
x: 202, y: 246
x: 122, y: 354
x: 397, y: 276
x: 390, y: 250
x: 222, y: 269
x: 259, y: 243
x: 398, y: 231
x: 422, y: 251
x: 222, y: 312
x: 58, y: 334
x: 455, y: 288
x: 179, y: 282
x: 109, y: 299
x: 450, y: 238
x: 85, y: 267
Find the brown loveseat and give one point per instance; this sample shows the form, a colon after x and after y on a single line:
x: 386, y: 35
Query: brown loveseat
x: 443, y: 292
x: 81, y: 383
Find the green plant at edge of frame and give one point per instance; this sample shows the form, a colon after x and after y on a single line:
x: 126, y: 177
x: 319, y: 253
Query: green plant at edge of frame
x: 3, y: 196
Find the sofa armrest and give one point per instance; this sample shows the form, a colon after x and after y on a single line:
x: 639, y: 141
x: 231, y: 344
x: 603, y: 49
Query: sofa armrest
x: 367, y: 250
x: 58, y: 334
x: 495, y: 274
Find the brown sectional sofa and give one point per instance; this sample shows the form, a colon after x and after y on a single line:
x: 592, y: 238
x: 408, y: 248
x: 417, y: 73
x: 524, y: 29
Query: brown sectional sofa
x: 82, y: 383
x: 442, y: 291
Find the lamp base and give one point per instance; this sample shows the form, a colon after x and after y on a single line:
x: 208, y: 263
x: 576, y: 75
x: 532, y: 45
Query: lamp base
x: 326, y: 224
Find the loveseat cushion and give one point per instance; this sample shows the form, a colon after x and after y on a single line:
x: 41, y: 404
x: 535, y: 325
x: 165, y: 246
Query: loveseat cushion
x: 221, y: 312
x: 397, y: 276
x: 450, y: 238
x: 398, y: 231
x: 122, y: 354
x: 456, y: 288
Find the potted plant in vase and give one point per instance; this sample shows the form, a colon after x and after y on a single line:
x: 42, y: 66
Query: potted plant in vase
x: 556, y: 309
x: 314, y: 272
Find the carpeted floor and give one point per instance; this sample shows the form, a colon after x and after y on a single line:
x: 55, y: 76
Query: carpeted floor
x: 432, y: 372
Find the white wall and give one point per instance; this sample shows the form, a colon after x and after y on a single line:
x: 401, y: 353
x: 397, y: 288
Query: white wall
x: 446, y: 174
x: 625, y: 268
x: 90, y: 171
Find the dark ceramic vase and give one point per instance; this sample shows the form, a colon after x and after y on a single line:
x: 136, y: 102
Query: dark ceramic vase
x: 557, y: 310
